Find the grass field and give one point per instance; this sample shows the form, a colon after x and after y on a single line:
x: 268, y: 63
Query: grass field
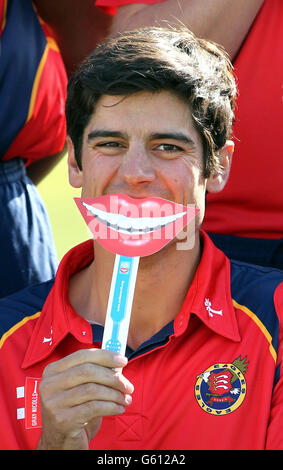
x: 67, y: 223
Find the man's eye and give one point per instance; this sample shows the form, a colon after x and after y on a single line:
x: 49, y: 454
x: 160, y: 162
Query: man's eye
x: 109, y: 144
x: 169, y: 148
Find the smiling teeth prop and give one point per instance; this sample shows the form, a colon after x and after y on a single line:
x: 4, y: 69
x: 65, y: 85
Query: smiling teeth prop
x: 132, y: 225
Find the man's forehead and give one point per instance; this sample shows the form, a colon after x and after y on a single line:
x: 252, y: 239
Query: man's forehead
x: 144, y: 112
x: 142, y: 95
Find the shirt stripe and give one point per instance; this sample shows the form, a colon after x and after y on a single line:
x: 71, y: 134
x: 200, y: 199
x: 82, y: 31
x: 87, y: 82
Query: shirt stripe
x: 4, y: 9
x: 51, y: 45
x: 261, y: 326
x: 36, y: 82
x: 17, y: 326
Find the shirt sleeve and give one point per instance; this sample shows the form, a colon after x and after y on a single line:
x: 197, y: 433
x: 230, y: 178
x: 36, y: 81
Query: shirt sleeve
x: 110, y: 6
x: 33, y: 88
x: 274, y: 440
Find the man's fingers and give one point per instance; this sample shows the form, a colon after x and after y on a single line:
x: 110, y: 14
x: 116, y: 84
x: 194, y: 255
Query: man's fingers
x: 81, y: 388
x: 94, y: 409
x: 90, y: 392
x: 96, y: 356
x: 77, y: 416
x: 84, y: 374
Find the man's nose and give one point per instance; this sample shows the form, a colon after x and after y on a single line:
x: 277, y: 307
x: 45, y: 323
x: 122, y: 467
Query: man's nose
x: 137, y: 168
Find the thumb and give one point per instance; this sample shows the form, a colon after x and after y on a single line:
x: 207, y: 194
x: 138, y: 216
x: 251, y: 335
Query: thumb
x: 92, y: 427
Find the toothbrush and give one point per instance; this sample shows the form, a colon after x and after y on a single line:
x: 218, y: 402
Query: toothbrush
x: 120, y: 303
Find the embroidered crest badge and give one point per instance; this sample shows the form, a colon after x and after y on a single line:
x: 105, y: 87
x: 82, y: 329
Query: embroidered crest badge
x: 221, y: 388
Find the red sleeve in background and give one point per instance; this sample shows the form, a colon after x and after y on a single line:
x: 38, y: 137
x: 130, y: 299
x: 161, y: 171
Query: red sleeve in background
x: 44, y: 133
x: 110, y: 6
x: 3, y: 7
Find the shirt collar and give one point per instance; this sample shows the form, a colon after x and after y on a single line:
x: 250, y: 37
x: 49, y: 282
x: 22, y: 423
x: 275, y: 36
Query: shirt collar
x: 209, y: 297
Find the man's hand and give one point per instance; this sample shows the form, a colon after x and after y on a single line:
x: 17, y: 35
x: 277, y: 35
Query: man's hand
x: 76, y: 392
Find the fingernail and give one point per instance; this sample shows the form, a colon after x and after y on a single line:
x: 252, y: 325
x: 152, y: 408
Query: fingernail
x: 128, y: 399
x: 120, y: 360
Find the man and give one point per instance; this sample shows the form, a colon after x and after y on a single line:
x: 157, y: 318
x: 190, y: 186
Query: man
x: 149, y: 114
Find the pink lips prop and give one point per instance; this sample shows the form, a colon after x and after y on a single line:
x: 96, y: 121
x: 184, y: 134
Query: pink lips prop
x: 134, y: 227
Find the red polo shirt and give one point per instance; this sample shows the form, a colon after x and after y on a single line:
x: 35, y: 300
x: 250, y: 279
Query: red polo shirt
x: 209, y: 380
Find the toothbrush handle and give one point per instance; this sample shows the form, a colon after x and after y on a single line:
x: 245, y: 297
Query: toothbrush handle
x: 120, y: 302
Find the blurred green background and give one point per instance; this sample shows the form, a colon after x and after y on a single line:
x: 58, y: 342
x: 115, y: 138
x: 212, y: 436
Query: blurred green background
x: 68, y: 226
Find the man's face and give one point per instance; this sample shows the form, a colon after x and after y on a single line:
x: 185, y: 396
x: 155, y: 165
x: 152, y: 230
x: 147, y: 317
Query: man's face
x: 143, y: 145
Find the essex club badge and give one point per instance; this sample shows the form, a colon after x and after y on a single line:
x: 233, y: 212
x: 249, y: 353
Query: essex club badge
x: 222, y: 388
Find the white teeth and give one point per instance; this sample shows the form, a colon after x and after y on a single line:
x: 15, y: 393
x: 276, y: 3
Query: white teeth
x: 133, y: 225
x: 124, y: 222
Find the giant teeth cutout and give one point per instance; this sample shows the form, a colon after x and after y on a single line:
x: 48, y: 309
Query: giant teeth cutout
x: 131, y: 225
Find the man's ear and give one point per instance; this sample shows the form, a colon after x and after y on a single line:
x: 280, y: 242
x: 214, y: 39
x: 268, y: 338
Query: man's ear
x: 217, y: 181
x: 75, y: 174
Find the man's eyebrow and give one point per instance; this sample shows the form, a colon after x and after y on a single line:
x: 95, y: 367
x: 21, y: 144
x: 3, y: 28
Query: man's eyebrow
x: 104, y: 133
x: 173, y: 136
x: 180, y: 136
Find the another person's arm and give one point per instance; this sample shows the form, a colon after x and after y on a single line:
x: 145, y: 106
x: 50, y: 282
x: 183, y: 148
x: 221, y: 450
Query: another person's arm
x: 77, y: 25
x: 39, y: 169
x: 224, y: 21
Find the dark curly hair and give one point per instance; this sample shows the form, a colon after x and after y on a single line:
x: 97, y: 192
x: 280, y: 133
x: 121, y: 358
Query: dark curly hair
x: 155, y: 59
